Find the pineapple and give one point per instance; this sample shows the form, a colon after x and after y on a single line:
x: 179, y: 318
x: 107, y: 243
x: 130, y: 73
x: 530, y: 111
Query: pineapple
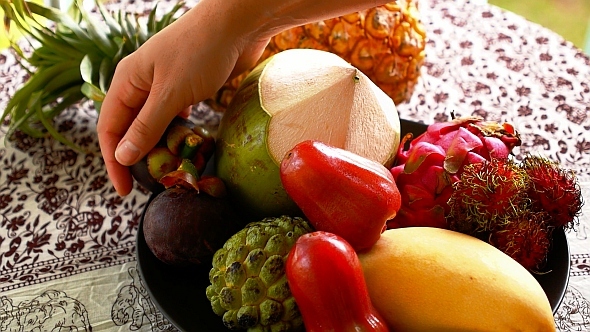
x: 386, y: 43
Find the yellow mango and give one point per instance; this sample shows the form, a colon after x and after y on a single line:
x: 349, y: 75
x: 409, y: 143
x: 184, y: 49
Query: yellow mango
x: 431, y: 279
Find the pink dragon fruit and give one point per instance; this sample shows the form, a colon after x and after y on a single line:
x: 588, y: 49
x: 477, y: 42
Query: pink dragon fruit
x: 426, y: 170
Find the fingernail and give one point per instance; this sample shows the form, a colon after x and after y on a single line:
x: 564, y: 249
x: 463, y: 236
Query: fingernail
x: 127, y: 153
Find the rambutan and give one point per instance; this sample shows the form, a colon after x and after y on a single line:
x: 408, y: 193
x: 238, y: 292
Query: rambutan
x: 488, y: 195
x: 526, y: 238
x: 553, y: 190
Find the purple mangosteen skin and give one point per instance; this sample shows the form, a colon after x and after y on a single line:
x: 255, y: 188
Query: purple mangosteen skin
x: 184, y: 227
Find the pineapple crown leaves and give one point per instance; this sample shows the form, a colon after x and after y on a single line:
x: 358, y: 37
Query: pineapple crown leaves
x: 74, y: 58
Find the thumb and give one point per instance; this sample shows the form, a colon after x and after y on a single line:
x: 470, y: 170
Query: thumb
x: 146, y: 129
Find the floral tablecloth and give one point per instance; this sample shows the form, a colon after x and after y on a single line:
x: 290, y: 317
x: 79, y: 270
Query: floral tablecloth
x: 67, y: 240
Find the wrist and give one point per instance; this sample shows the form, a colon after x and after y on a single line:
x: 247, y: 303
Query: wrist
x: 262, y: 19
x: 229, y: 17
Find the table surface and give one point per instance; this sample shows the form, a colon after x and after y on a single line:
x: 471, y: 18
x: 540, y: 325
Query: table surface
x: 67, y: 239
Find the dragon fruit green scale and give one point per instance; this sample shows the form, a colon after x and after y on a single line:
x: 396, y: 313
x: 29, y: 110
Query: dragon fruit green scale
x: 426, y: 170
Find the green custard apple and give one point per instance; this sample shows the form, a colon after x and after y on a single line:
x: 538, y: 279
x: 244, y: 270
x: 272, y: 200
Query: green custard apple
x: 249, y: 288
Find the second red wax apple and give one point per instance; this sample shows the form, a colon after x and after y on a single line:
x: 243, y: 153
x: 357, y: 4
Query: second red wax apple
x: 326, y: 279
x: 340, y: 192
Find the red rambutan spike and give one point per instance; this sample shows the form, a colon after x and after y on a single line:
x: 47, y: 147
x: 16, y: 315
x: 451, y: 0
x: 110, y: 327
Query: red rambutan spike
x: 526, y: 239
x: 553, y: 190
x: 488, y: 195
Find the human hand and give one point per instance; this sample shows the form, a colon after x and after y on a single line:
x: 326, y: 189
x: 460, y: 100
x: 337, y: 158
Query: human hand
x: 182, y: 65
x: 188, y: 62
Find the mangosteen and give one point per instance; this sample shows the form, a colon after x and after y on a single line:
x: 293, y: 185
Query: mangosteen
x: 183, y: 226
x: 140, y: 173
x: 181, y: 140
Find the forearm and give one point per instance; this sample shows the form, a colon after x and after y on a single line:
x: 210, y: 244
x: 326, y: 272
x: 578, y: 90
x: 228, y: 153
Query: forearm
x: 280, y: 14
x: 265, y: 18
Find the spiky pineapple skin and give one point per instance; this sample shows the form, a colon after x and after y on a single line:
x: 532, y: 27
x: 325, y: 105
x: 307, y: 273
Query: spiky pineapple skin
x: 387, y: 43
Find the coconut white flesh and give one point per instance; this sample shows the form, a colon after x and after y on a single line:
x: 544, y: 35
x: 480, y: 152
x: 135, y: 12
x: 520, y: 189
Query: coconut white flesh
x: 312, y: 94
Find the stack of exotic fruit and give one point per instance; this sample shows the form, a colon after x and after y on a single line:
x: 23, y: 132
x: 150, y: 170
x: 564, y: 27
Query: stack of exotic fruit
x: 460, y: 175
x: 341, y: 224
x: 317, y: 214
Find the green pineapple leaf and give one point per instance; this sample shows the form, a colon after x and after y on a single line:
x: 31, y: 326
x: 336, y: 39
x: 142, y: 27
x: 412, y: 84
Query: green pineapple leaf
x: 86, y: 69
x: 36, y: 105
x: 105, y: 74
x: 92, y: 92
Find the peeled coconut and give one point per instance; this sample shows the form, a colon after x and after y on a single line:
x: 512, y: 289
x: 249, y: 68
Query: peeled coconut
x: 293, y: 96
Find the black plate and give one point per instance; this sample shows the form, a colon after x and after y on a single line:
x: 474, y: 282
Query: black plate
x: 179, y: 293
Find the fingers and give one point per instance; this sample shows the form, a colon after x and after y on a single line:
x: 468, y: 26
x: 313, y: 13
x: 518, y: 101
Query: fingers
x: 118, y: 111
x: 147, y: 128
x: 134, y: 115
x: 185, y: 113
x: 249, y: 56
x: 120, y: 175
x: 160, y: 80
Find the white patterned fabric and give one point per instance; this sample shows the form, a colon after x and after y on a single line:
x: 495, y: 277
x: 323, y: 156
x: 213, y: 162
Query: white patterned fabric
x: 67, y: 240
